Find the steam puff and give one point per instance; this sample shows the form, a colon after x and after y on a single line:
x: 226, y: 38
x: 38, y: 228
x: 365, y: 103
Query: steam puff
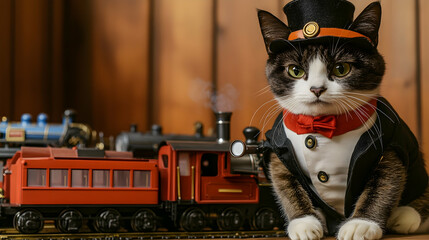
x: 201, y: 92
x: 225, y: 100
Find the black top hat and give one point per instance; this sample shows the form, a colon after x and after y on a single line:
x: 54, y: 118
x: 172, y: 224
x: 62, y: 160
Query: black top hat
x: 326, y: 13
x: 319, y: 20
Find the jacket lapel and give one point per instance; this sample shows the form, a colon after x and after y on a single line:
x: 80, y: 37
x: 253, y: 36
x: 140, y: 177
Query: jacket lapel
x: 368, y: 152
x: 364, y: 158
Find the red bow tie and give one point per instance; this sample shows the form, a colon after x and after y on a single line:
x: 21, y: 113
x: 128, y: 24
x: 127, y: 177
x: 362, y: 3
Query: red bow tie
x: 329, y: 125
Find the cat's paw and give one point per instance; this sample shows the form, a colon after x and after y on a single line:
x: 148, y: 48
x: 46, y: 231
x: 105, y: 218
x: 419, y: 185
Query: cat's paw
x: 305, y: 228
x: 358, y: 229
x: 404, y: 220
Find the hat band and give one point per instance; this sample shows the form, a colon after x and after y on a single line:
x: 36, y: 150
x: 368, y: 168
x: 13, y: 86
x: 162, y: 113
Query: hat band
x: 331, y: 32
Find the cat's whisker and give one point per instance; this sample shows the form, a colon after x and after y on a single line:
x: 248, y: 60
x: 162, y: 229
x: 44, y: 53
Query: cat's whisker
x: 262, y: 93
x: 336, y: 45
x: 344, y: 107
x: 339, y: 47
x: 339, y: 105
x: 331, y: 47
x: 263, y: 90
x: 371, y: 95
x: 338, y: 41
x: 351, y: 106
x: 360, y: 115
x: 362, y: 101
x: 355, y: 103
x: 268, y: 86
x: 385, y: 114
x: 339, y: 100
x: 359, y: 107
x: 338, y: 109
x: 257, y: 110
x: 376, y: 130
x: 291, y: 103
x: 272, y: 114
x: 276, y: 129
x: 269, y: 113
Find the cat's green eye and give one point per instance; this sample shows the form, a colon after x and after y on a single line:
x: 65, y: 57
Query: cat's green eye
x: 295, y: 71
x: 341, y: 69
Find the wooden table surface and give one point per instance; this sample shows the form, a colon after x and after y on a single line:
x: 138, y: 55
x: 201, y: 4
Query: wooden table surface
x: 408, y: 237
x: 387, y: 237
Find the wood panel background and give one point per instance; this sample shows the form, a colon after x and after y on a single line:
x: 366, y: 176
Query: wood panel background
x: 423, y: 50
x: 182, y: 58
x: 172, y: 62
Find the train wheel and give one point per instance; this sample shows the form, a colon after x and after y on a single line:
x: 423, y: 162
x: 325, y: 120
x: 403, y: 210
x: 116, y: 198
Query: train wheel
x: 107, y: 221
x: 28, y: 221
x: 193, y: 220
x: 144, y: 221
x: 69, y: 221
x: 230, y: 219
x: 265, y: 219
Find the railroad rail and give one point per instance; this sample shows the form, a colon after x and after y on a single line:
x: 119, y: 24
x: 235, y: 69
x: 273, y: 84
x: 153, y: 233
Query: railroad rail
x: 9, y: 234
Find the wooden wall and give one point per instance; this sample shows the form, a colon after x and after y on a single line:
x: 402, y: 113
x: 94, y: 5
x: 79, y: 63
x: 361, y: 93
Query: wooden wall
x: 423, y: 50
x: 119, y: 62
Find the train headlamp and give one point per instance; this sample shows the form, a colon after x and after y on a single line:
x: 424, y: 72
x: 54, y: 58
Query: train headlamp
x: 238, y: 148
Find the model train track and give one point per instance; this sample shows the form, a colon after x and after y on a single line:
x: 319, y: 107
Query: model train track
x: 143, y: 236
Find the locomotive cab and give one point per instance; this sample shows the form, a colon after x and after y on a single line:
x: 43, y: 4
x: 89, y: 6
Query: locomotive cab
x: 203, y: 174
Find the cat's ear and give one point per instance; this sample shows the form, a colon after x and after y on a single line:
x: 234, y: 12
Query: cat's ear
x: 368, y: 22
x: 273, y: 30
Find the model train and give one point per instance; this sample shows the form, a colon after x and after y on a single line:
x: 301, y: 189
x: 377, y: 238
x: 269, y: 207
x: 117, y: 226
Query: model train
x: 41, y: 133
x: 147, y: 144
x: 191, y: 185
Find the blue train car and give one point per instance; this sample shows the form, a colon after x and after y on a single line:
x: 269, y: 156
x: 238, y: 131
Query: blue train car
x: 41, y: 133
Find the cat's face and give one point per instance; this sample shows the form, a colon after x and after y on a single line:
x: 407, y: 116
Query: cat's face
x: 326, y: 78
x: 321, y: 79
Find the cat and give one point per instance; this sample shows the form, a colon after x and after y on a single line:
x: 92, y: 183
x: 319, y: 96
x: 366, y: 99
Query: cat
x: 366, y: 176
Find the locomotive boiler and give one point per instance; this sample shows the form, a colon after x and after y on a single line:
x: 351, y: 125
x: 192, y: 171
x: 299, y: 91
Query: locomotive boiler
x: 147, y: 144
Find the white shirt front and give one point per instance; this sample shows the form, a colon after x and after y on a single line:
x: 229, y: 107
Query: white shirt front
x: 330, y: 156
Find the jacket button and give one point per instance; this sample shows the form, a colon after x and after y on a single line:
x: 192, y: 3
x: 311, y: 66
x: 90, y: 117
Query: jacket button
x: 310, y: 142
x: 323, y: 177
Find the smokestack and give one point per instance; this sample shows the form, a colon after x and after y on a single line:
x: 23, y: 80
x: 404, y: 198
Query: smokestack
x: 223, y: 126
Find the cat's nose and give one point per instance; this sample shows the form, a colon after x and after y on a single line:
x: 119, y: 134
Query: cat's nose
x: 317, y: 90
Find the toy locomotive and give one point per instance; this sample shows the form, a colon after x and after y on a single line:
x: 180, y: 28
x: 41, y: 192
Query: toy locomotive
x: 191, y: 185
x: 146, y: 145
x: 41, y: 133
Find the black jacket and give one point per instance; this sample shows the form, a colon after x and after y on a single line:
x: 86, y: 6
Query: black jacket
x: 366, y: 155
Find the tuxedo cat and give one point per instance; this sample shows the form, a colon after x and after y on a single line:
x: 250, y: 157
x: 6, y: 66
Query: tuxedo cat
x: 343, y: 161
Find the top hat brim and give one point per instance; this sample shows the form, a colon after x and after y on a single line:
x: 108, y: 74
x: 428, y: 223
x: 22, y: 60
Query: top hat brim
x: 281, y: 45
